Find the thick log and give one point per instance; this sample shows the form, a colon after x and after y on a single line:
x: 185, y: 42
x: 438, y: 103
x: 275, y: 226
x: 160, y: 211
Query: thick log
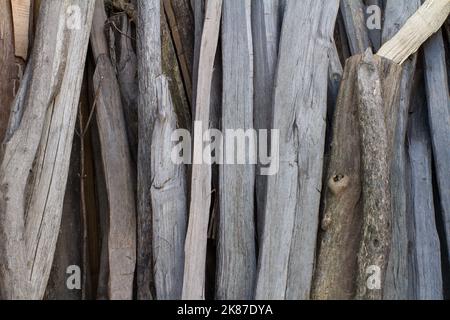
x: 426, y: 280
x: 293, y: 195
x: 439, y: 115
x: 341, y: 223
x: 196, y: 239
x: 149, y: 68
x: 35, y: 157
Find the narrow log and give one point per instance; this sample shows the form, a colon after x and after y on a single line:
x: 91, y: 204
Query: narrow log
x: 196, y: 239
x: 426, y: 280
x: 439, y: 115
x: 355, y: 24
x: 293, y: 194
x: 149, y: 68
x: 397, y: 280
x: 36, y: 156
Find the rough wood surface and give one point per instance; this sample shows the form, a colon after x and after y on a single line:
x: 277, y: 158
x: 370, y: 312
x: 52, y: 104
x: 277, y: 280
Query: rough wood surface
x: 426, y: 280
x: 397, y: 279
x: 424, y: 23
x: 35, y: 157
x: 196, y: 239
x: 342, y: 220
x: 293, y: 195
x: 439, y: 117
x: 149, y: 68
x: 266, y: 27
x: 355, y: 24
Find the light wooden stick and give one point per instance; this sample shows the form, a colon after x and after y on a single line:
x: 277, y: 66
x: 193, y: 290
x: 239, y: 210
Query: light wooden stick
x: 424, y: 23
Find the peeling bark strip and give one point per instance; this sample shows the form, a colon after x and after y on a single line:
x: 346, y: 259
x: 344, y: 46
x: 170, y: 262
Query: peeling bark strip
x: 439, y: 116
x: 286, y: 259
x: 7, y: 65
x: 116, y: 161
x: 168, y: 201
x: 426, y: 278
x: 342, y: 218
x: 266, y: 27
x: 236, y: 257
x: 196, y: 239
x: 149, y: 68
x: 424, y: 23
x: 35, y: 158
x: 397, y: 12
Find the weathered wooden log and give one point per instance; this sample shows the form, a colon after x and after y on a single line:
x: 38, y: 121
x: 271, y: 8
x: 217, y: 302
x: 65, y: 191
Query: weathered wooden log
x: 266, y: 27
x: 355, y: 24
x: 293, y: 194
x: 35, y: 157
x: 426, y: 280
x: 341, y: 223
x: 397, y: 282
x: 439, y: 115
x: 424, y: 23
x: 196, y: 239
x: 149, y: 68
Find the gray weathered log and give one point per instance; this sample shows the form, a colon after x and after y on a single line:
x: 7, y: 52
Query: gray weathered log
x: 426, y: 280
x: 236, y: 256
x: 35, y: 158
x: 149, y: 68
x: 355, y: 24
x: 439, y: 117
x: 291, y: 217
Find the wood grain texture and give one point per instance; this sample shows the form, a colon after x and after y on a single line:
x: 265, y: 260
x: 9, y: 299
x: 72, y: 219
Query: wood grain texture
x: 149, y: 68
x: 196, y: 239
x: 355, y: 24
x: 424, y: 23
x: 397, y: 279
x: 293, y: 195
x: 35, y: 158
x: 426, y: 280
x: 439, y: 117
x: 21, y: 10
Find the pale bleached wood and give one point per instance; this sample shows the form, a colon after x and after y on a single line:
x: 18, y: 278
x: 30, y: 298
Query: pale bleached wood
x: 35, y: 158
x: 426, y: 280
x: 196, y: 239
x: 21, y: 10
x: 355, y: 24
x: 286, y: 258
x: 266, y: 27
x: 424, y: 23
x: 397, y: 12
x: 149, y: 68
x: 439, y: 117
x: 116, y: 159
x: 168, y: 194
x: 236, y: 255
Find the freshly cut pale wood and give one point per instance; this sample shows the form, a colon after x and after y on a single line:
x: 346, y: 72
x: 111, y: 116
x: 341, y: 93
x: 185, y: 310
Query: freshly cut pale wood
x: 236, y: 255
x: 35, y: 158
x: 286, y: 259
x: 439, y: 117
x: 7, y: 65
x: 21, y: 10
x: 341, y: 222
x: 149, y: 68
x: 168, y: 195
x: 355, y: 23
x: 266, y: 27
x: 424, y: 23
x: 396, y: 286
x: 196, y: 239
x: 426, y: 280
x: 116, y: 161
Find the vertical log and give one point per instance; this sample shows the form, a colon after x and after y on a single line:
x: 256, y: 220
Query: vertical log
x: 355, y: 24
x: 293, y: 195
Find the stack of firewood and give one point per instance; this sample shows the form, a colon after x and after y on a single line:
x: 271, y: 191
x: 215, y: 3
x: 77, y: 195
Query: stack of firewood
x: 353, y: 96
